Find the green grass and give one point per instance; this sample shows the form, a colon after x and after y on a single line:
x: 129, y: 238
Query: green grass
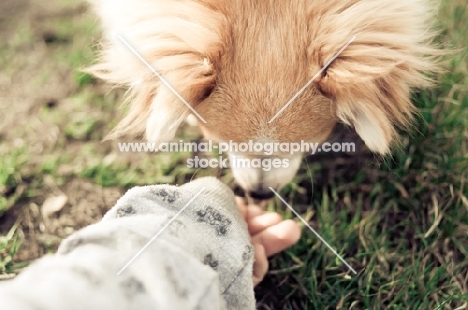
x: 402, y: 222
x: 9, y: 245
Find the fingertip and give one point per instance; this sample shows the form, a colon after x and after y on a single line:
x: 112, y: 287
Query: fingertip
x: 295, y: 230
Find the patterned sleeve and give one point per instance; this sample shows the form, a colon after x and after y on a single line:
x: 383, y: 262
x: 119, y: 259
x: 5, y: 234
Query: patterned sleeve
x: 201, y: 260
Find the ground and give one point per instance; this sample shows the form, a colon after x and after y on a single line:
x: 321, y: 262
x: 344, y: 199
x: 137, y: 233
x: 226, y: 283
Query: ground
x: 401, y: 222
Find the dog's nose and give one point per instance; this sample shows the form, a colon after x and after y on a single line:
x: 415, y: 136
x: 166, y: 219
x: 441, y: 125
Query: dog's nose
x: 261, y: 194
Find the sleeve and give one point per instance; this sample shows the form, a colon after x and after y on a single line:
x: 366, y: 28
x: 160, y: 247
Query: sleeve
x: 194, y: 263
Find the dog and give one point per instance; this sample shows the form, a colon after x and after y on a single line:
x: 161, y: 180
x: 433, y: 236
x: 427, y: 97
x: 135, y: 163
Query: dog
x: 237, y: 62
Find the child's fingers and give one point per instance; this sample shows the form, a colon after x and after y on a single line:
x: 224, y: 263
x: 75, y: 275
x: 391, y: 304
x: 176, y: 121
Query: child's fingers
x: 248, y: 211
x: 253, y: 211
x: 278, y: 237
x: 261, y: 222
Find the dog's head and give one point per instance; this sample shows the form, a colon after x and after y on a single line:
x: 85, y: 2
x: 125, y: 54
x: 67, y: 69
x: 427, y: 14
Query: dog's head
x: 237, y: 63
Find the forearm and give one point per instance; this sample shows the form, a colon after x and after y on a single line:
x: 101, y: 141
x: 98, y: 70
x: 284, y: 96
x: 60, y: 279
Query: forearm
x: 200, y: 254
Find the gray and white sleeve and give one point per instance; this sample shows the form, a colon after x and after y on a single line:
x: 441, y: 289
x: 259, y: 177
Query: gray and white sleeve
x: 202, y: 260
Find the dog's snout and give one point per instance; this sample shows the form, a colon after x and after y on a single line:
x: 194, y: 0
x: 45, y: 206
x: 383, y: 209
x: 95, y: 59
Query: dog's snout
x: 262, y: 194
x: 238, y: 190
x: 255, y: 182
x: 259, y: 194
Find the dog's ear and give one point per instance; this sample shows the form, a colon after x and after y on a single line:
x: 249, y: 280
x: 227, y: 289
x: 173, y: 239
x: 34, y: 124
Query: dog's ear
x: 167, y: 111
x: 371, y: 80
x: 182, y: 43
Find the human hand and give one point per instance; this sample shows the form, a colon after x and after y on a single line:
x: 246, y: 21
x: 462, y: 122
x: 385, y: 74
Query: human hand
x: 270, y: 235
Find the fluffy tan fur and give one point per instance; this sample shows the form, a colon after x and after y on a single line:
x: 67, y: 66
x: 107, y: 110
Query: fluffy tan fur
x: 237, y: 62
x: 182, y: 41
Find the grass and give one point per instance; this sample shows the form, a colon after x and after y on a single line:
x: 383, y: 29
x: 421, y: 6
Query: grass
x: 402, y: 223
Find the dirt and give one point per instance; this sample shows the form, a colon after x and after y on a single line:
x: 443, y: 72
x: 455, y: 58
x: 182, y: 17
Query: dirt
x: 20, y: 100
